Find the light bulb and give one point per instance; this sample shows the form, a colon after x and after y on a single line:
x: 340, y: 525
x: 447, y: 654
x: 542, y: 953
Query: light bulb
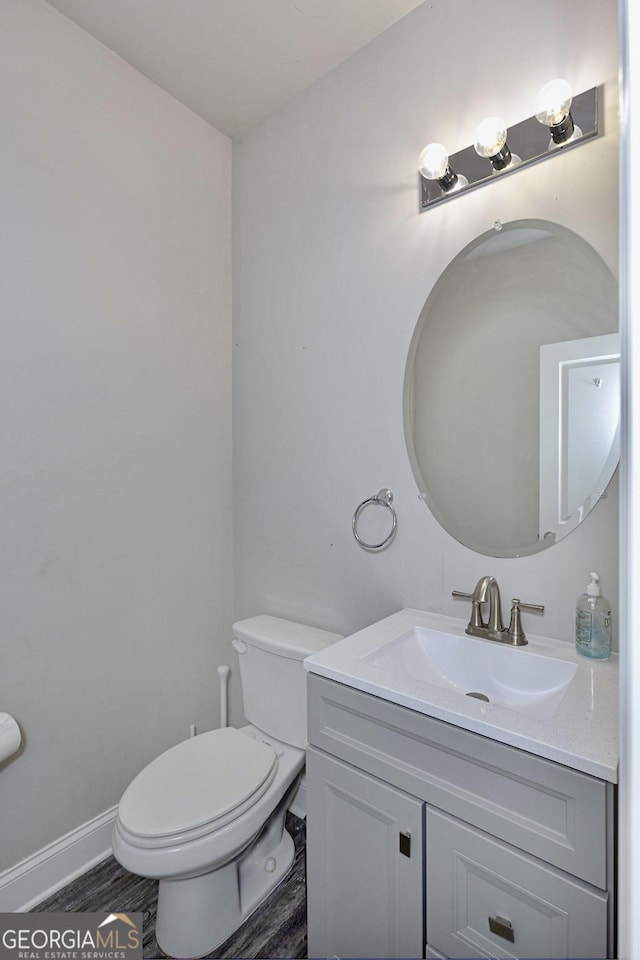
x: 433, y: 164
x: 433, y: 161
x: 553, y: 109
x: 553, y: 102
x: 491, y: 136
x: 491, y: 143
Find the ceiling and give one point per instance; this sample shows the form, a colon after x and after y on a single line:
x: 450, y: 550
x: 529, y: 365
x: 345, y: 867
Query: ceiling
x: 234, y: 62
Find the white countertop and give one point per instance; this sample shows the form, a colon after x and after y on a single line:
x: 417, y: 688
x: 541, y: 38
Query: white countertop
x: 582, y: 734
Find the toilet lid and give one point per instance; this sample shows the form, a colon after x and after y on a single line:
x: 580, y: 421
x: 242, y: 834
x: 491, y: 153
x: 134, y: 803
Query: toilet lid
x: 197, y: 782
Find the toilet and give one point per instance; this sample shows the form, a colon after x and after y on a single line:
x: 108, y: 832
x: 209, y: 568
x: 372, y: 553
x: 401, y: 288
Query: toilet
x: 206, y: 818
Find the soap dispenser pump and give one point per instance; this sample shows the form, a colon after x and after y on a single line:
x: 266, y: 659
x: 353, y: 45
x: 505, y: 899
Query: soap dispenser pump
x: 593, y: 622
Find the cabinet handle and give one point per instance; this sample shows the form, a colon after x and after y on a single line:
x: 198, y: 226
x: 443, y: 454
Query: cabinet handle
x: 405, y: 844
x: 502, y: 928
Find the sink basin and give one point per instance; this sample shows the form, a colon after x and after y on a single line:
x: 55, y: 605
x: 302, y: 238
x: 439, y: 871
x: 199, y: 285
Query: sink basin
x: 529, y: 683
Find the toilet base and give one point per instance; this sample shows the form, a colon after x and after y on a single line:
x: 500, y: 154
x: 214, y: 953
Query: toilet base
x: 197, y: 914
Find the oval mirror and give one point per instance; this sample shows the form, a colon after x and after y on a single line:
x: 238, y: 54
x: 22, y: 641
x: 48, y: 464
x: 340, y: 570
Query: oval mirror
x: 512, y: 389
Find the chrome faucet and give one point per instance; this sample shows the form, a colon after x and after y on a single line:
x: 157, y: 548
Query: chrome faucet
x: 487, y: 589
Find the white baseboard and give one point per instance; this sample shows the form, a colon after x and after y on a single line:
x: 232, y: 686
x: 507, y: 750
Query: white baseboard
x: 45, y: 872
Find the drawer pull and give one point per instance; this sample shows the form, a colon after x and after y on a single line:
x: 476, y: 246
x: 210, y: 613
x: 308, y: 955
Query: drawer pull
x: 501, y: 928
x: 405, y: 844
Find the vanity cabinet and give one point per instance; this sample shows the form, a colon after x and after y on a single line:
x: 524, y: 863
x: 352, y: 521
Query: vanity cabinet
x: 367, y: 854
x: 511, y: 855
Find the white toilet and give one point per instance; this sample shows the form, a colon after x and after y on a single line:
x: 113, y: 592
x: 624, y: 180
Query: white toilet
x: 206, y: 818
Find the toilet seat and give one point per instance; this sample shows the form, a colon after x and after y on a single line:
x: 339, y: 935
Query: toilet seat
x: 196, y: 787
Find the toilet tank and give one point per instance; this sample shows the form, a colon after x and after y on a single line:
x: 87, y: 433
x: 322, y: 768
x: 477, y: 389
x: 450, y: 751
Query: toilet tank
x: 274, y: 684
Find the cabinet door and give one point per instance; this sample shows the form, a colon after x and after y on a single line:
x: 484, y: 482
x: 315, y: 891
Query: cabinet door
x: 364, y: 864
x: 487, y: 899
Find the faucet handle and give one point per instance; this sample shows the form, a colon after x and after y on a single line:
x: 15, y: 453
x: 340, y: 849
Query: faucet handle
x: 514, y: 631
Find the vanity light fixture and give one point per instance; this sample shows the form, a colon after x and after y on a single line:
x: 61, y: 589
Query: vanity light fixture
x: 571, y: 121
x: 433, y: 164
x: 491, y: 143
x: 553, y: 109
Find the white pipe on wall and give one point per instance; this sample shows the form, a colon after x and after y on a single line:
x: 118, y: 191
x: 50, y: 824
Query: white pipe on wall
x: 223, y: 673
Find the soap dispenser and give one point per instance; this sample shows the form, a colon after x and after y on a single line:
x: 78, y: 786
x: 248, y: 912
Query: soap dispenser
x: 593, y: 622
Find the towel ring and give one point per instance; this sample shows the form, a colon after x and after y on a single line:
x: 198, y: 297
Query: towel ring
x: 384, y: 498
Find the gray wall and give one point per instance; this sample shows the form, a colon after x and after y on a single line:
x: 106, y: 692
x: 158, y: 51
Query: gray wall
x: 332, y: 265
x: 115, y: 456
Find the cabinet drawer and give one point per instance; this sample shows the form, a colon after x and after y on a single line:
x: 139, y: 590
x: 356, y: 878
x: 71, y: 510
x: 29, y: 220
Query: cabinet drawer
x: 544, y: 808
x: 486, y: 899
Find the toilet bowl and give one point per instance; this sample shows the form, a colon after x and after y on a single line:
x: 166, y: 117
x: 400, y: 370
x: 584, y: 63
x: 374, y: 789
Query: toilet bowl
x: 206, y: 818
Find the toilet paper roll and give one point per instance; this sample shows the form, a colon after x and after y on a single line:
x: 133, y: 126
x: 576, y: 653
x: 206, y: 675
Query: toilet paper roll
x: 10, y: 736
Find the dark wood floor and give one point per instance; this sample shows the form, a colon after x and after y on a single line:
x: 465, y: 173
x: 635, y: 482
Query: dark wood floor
x: 277, y: 929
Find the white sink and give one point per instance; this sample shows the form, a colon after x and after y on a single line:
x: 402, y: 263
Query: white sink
x: 529, y: 683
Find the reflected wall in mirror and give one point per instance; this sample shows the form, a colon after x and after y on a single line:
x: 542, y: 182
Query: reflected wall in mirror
x: 512, y: 390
